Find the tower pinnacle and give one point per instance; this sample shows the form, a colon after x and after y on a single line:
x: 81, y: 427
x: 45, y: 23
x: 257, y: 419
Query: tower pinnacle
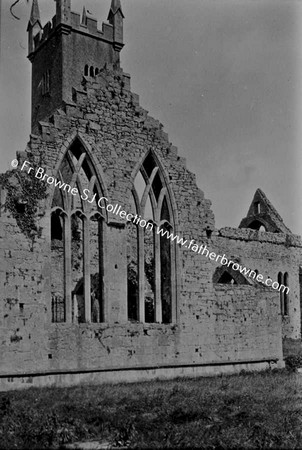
x: 35, y: 13
x: 34, y: 25
x: 115, y: 7
x: 115, y: 18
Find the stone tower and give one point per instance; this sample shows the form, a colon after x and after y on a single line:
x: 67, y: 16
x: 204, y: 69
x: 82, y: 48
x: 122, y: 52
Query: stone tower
x: 66, y: 49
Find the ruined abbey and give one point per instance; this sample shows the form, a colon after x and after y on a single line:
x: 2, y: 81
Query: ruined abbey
x: 88, y: 295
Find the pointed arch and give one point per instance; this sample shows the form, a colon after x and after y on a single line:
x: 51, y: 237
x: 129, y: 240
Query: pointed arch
x: 78, y: 138
x: 82, y: 234
x: 258, y: 225
x: 226, y: 275
x: 166, y: 181
x: 156, y: 255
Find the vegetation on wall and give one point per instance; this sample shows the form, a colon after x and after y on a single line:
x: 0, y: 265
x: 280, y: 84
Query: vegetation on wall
x: 24, y: 192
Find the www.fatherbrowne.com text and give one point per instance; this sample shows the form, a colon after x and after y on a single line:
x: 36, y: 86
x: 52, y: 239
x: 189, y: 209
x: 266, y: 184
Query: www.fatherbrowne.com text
x: 102, y: 203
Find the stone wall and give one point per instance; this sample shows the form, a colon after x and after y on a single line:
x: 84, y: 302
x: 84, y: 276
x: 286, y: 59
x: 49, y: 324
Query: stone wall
x: 214, y: 325
x: 269, y: 254
x: 24, y: 311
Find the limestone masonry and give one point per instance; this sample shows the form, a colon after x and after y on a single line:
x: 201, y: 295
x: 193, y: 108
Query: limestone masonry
x: 89, y: 296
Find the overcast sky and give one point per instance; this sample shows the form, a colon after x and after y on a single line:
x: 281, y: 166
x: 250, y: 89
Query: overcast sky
x: 223, y: 76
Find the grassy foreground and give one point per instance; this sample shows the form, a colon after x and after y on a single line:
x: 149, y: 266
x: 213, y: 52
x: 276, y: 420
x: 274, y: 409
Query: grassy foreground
x: 244, y: 411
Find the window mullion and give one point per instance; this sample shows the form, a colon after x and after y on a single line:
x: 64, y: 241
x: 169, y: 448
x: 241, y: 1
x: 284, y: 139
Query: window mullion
x: 141, y: 274
x: 158, y: 303
x: 173, y: 287
x: 148, y: 188
x: 86, y: 264
x: 67, y: 268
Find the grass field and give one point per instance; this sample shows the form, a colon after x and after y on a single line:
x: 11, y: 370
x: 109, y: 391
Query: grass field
x: 244, y: 411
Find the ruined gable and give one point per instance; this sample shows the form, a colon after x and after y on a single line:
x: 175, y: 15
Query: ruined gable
x: 262, y: 214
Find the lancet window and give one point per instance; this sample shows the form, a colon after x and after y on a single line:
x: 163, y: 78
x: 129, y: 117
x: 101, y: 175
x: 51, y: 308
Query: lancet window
x: 283, y: 289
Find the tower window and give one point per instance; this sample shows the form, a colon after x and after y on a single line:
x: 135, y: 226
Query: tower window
x: 91, y: 71
x: 86, y: 70
x: 46, y: 83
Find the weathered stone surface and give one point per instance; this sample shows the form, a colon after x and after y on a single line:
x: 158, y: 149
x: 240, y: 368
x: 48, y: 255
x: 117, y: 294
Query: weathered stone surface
x: 214, y: 324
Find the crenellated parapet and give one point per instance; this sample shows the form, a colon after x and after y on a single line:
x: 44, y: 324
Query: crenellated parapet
x: 66, y: 21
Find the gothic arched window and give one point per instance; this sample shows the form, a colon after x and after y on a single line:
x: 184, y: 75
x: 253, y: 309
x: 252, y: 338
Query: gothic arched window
x: 46, y: 83
x: 76, y: 241
x: 150, y: 254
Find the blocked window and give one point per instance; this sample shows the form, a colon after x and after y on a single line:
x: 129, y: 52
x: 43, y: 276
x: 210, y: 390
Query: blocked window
x: 150, y: 255
x: 77, y: 241
x: 45, y: 83
x: 283, y: 290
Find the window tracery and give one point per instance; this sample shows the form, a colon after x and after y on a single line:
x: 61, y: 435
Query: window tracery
x: 76, y: 242
x: 150, y: 257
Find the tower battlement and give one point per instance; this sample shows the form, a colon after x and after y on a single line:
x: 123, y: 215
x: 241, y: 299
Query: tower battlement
x: 78, y: 23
